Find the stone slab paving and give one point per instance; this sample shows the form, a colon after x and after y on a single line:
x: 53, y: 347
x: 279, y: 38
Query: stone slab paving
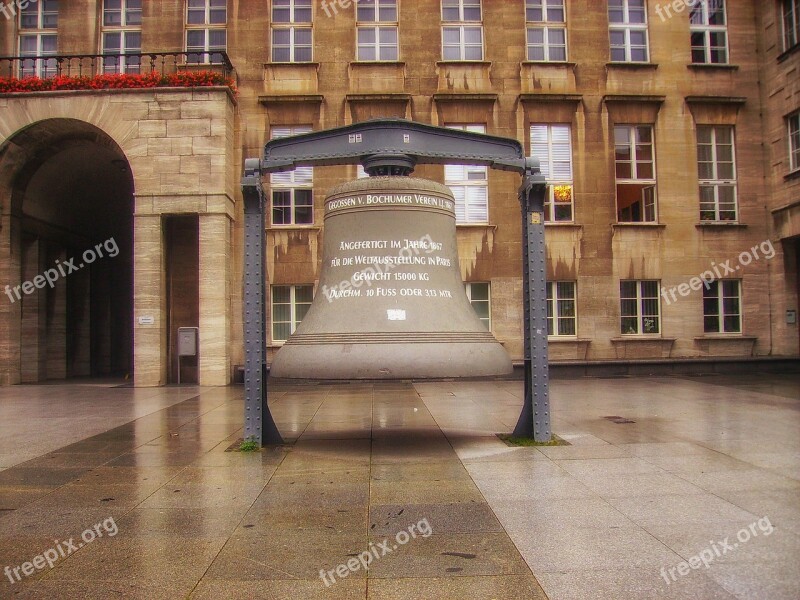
x: 613, y: 515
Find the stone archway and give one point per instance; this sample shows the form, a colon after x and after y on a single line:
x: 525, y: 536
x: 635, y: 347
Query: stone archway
x: 67, y: 194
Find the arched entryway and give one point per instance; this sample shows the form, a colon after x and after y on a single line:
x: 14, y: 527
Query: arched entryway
x: 67, y: 194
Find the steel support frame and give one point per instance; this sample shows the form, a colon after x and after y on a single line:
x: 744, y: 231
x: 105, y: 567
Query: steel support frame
x: 258, y: 422
x: 534, y: 421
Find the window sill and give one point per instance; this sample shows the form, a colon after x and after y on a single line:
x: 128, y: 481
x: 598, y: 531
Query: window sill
x: 641, y: 337
x: 476, y: 226
x: 478, y: 63
x: 791, y: 175
x: 377, y: 63
x: 565, y: 339
x: 712, y: 67
x: 638, y: 226
x: 725, y: 337
x: 632, y: 65
x: 787, y: 53
x: 294, y: 228
x: 292, y: 64
x: 720, y: 225
x: 550, y: 63
x: 563, y: 224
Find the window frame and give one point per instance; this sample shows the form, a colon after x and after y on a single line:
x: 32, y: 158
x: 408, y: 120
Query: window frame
x: 707, y: 30
x: 293, y: 26
x: 721, y: 315
x: 41, y: 66
x: 626, y: 27
x: 791, y: 34
x: 205, y: 56
x: 377, y: 24
x: 301, y: 178
x: 555, y: 185
x: 716, y: 182
x: 466, y: 183
x: 640, y: 316
x: 635, y: 180
x: 546, y: 25
x: 468, y: 288
x: 120, y: 63
x: 462, y: 25
x: 793, y: 132
x: 294, y: 322
x: 554, y: 305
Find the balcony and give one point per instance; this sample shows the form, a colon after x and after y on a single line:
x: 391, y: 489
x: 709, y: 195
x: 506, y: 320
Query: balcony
x: 151, y: 65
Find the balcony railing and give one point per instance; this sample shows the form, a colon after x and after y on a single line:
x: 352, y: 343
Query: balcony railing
x: 88, y: 65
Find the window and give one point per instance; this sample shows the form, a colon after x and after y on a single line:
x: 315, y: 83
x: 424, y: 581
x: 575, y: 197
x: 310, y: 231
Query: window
x: 38, y: 38
x: 640, y: 307
x: 546, y: 30
x: 377, y: 30
x: 290, y: 303
x: 562, y: 318
x: 552, y: 145
x: 291, y: 31
x: 716, y: 167
x: 636, y: 175
x: 479, y: 295
x: 206, y: 36
x: 122, y: 35
x: 627, y: 20
x: 794, y: 141
x: 722, y: 306
x: 462, y: 39
x: 791, y: 23
x: 709, y: 30
x: 292, y: 191
x: 470, y: 186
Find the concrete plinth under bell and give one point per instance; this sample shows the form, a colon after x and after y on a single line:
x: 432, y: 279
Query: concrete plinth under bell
x: 391, y: 303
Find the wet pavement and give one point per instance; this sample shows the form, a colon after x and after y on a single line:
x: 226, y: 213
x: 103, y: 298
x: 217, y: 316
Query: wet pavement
x: 132, y: 493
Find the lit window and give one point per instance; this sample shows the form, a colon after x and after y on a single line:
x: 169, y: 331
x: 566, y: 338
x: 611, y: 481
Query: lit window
x: 794, y: 141
x: 627, y: 21
x: 479, y: 295
x: 292, y: 191
x: 462, y: 38
x: 791, y: 23
x: 377, y: 30
x: 546, y: 30
x: 469, y: 185
x: 722, y: 306
x: 709, y: 32
x: 635, y: 174
x: 640, y: 307
x: 290, y: 303
x: 562, y: 320
x: 716, y: 167
x: 38, y: 22
x: 552, y: 145
x: 206, y: 36
x: 122, y: 36
x: 291, y: 31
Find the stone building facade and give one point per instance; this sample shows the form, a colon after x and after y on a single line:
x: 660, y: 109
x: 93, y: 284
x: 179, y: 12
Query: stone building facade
x: 666, y: 132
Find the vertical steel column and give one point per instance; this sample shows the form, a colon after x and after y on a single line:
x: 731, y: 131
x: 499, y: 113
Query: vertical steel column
x: 258, y: 422
x: 534, y: 421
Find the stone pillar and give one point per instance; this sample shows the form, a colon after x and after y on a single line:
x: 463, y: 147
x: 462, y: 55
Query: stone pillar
x: 10, y: 312
x: 56, y: 322
x: 149, y: 302
x: 214, y: 363
x: 33, y: 338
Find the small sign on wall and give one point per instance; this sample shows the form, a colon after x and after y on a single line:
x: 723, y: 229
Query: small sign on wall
x: 147, y: 320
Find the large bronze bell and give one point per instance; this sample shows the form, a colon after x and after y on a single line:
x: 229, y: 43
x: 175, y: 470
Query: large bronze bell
x: 390, y: 303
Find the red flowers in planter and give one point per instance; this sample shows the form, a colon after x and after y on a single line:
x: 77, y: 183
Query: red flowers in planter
x: 10, y: 85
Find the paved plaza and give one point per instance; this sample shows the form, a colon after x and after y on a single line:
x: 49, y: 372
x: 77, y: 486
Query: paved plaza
x: 673, y: 487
